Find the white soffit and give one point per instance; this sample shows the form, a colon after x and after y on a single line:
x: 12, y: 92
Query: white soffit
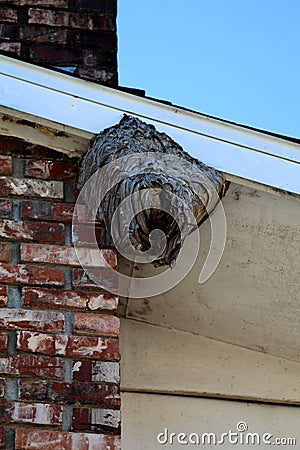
x: 89, y: 107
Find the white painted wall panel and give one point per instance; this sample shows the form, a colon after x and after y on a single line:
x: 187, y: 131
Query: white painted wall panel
x: 145, y: 416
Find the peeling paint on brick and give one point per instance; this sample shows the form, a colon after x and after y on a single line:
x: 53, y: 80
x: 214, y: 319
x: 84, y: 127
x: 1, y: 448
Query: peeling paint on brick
x: 31, y: 188
x: 48, y: 440
x: 49, y: 365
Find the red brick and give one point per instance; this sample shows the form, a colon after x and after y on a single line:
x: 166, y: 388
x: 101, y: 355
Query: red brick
x: 43, y: 35
x: 9, y: 32
x: 27, y: 439
x: 104, y: 59
x: 87, y: 234
x: 85, y: 21
x: 59, y: 212
x: 96, y: 324
x: 70, y: 346
x: 22, y: 319
x: 5, y: 165
x: 96, y: 371
x: 55, y: 55
x: 92, y: 419
x: 18, y: 147
x: 5, y: 209
x: 32, y: 231
x: 100, y: 74
x: 56, y: 3
x: 48, y: 211
x: 26, y: 274
x: 32, y: 366
x: 2, y: 437
x: 11, y: 47
x: 3, y: 342
x: 4, y: 251
x: 30, y: 413
x: 2, y: 389
x: 82, y: 214
x: 62, y: 255
x: 103, y: 396
x: 69, y: 300
x: 3, y: 295
x: 109, y: 6
x: 31, y: 188
x: 54, y: 170
x: 8, y: 15
x: 103, y: 279
x: 98, y: 39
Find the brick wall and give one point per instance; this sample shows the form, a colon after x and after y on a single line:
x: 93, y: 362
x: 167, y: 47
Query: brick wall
x: 59, y: 348
x: 79, y: 34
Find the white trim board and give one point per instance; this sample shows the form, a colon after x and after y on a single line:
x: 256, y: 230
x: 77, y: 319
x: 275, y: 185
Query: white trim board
x: 169, y: 361
x: 90, y: 107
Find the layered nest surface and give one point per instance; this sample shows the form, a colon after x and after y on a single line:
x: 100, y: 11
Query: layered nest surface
x: 153, y: 184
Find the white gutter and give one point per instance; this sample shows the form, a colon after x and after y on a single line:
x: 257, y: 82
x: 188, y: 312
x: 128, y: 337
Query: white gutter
x: 87, y: 106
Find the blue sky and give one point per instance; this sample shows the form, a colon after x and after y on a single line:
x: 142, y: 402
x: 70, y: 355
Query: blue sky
x: 234, y: 59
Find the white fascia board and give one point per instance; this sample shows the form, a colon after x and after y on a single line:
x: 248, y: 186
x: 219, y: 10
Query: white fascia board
x: 91, y: 107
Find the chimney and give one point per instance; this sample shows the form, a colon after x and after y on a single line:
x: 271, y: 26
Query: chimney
x: 78, y: 36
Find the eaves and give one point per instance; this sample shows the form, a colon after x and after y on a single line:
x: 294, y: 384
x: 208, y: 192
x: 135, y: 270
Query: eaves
x: 67, y: 111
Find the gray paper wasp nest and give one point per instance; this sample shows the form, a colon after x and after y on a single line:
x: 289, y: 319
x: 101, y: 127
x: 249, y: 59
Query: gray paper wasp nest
x: 163, y: 185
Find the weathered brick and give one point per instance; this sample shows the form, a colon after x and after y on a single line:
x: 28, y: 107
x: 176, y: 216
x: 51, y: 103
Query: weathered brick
x: 3, y: 295
x: 70, y: 346
x: 42, y: 35
x: 26, y: 274
x: 98, y: 39
x: 96, y: 419
x: 103, y: 396
x: 96, y: 371
x: 32, y: 231
x: 3, y: 342
x: 5, y: 165
x: 31, y: 413
x: 59, y: 212
x: 32, y: 366
x: 55, y: 55
x: 62, y: 255
x: 4, y: 250
x: 8, y: 15
x: 22, y: 319
x: 18, y: 147
x: 53, y: 254
x: 86, y: 21
x: 53, y: 170
x: 69, y: 300
x: 100, y: 74
x: 5, y: 209
x: 86, y: 234
x: 49, y: 211
x: 27, y: 439
x: 109, y: 6
x: 31, y: 188
x: 11, y: 47
x: 96, y: 324
x: 102, y: 279
x: 95, y: 58
x: 82, y: 214
x: 2, y: 438
x: 56, y: 3
x: 9, y: 31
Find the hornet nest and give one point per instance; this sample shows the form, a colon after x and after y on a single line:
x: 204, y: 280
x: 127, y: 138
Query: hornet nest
x: 175, y: 183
